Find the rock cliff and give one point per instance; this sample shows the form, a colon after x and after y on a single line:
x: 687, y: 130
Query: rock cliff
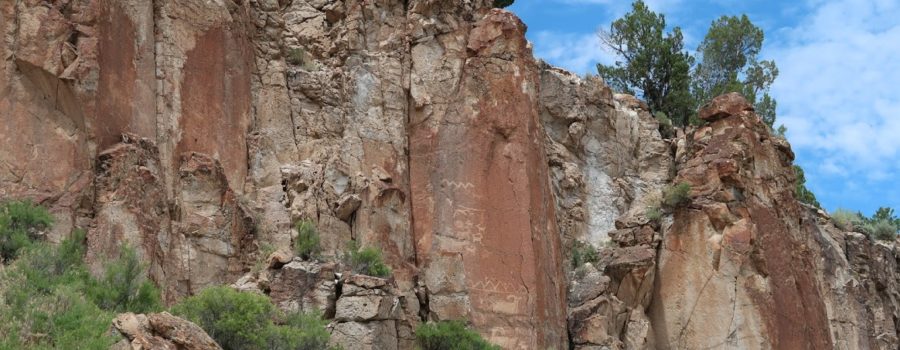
x: 200, y: 131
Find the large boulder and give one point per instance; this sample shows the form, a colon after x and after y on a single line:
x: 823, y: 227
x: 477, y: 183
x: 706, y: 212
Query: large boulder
x: 161, y: 331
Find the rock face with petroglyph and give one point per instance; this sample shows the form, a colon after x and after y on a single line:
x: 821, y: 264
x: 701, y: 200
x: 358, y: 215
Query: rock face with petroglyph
x: 200, y: 131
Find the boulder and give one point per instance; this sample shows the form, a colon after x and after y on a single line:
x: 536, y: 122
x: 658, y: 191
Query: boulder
x: 161, y: 331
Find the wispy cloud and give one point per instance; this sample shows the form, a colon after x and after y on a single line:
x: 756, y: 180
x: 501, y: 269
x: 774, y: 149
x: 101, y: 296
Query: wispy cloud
x: 838, y: 94
x: 619, y: 7
x: 578, y: 53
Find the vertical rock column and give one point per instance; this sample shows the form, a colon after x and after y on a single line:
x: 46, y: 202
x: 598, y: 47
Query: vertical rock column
x: 483, y: 214
x: 736, y: 269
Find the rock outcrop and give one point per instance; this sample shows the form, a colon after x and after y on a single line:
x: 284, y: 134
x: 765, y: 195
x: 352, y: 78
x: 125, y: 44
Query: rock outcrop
x: 485, y: 228
x: 199, y: 132
x: 160, y: 331
x: 738, y: 257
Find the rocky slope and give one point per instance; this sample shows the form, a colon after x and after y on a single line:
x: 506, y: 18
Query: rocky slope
x: 199, y: 131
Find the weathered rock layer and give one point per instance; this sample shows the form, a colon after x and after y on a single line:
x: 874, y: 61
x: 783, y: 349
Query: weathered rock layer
x: 200, y: 131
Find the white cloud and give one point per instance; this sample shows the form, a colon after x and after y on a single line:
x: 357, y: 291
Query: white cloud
x: 620, y: 7
x: 837, y: 90
x: 578, y: 53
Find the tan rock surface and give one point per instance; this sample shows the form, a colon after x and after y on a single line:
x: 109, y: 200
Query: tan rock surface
x: 199, y: 132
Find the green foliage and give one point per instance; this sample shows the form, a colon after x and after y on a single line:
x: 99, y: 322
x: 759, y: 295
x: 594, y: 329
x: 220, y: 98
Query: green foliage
x: 883, y: 225
x: 765, y: 108
x: 503, y: 3
x: 652, y: 63
x: 235, y: 320
x: 730, y: 45
x: 450, y: 335
x: 63, y: 319
x: 307, y: 245
x: 124, y: 287
x: 728, y: 63
x: 48, y: 300
x: 299, y: 331
x: 263, y: 253
x: 884, y: 230
x: 296, y: 56
x: 677, y: 195
x: 665, y: 124
x: 802, y: 193
x: 299, y: 57
x: 239, y: 321
x: 20, y: 223
x: 583, y: 253
x: 846, y: 220
x: 782, y: 130
x: 887, y: 214
x: 653, y: 213
x: 367, y: 261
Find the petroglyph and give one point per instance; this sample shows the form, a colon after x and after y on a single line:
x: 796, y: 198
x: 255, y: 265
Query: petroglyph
x: 492, y: 285
x: 468, y: 223
x: 455, y: 185
x: 508, y: 338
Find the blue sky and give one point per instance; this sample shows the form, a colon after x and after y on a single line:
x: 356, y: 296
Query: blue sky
x: 838, y: 90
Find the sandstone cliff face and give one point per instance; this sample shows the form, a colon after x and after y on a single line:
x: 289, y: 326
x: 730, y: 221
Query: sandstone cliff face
x: 200, y: 131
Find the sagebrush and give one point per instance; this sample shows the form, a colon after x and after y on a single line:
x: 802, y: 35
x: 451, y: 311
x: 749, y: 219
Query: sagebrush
x: 307, y: 245
x: 846, y: 220
x: 677, y: 195
x: 366, y: 261
x: 450, y: 335
x: 583, y: 253
x: 48, y: 300
x: 21, y: 222
x: 249, y: 321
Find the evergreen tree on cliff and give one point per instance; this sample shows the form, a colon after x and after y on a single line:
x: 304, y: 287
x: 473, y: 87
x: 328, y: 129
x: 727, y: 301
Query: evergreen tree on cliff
x: 728, y: 63
x: 651, y: 64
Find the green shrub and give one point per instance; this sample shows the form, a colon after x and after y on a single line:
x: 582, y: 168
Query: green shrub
x: 665, y: 124
x: 299, y: 57
x: 300, y: 331
x: 846, y: 220
x: 653, y: 213
x: 263, y: 253
x: 450, y: 335
x: 695, y: 120
x: 64, y: 319
x: 307, y: 245
x: 239, y: 320
x: 235, y: 320
x: 20, y: 223
x: 503, y: 3
x: 44, y: 301
x: 803, y: 193
x: 583, y: 253
x: 884, y: 230
x: 677, y: 195
x: 124, y: 287
x: 782, y: 131
x: 366, y: 261
x: 45, y: 267
x: 295, y: 56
